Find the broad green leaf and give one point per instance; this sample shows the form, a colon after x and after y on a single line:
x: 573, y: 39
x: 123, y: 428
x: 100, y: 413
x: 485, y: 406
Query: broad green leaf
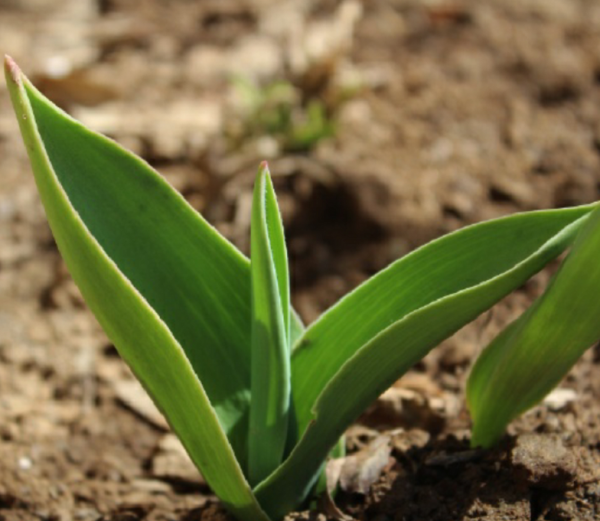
x: 463, y: 259
x: 530, y: 357
x: 372, y: 336
x: 196, y: 282
x: 270, y: 399
x: 168, y: 290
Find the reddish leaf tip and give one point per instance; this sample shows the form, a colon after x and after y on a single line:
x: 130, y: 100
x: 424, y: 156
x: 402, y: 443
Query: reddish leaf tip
x: 12, y: 69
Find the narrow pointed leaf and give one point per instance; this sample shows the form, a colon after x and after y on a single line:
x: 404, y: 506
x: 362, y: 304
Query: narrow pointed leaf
x: 530, y: 357
x: 270, y: 399
x: 376, y: 333
x: 141, y: 256
x: 276, y: 239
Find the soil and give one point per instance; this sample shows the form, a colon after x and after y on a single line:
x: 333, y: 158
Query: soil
x: 437, y: 114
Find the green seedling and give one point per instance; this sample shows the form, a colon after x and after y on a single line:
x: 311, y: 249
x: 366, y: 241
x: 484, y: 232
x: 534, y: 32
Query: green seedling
x: 258, y: 399
x: 277, y: 110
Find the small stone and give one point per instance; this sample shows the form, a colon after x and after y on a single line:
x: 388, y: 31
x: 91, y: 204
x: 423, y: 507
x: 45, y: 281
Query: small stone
x: 559, y: 398
x: 87, y: 514
x: 542, y: 461
x: 25, y: 463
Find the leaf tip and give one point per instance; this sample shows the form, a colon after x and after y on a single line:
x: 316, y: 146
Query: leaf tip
x: 262, y: 176
x: 12, y: 70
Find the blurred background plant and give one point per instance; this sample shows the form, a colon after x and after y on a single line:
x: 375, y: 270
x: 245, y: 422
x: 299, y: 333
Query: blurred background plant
x: 277, y: 110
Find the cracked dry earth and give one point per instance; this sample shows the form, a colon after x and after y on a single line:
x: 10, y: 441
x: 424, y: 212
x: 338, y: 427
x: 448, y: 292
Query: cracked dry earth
x: 446, y: 113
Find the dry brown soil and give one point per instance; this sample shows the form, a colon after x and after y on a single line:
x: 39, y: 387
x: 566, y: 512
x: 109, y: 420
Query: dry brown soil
x: 447, y: 112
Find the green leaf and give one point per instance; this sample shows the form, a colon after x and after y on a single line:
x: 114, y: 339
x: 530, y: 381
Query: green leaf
x: 530, y: 357
x: 170, y: 292
x: 296, y: 327
x: 270, y: 401
x: 463, y: 259
x: 372, y: 336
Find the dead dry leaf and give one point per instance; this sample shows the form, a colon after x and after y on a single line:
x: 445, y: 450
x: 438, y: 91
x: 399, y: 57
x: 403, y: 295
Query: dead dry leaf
x: 360, y: 470
x: 331, y: 510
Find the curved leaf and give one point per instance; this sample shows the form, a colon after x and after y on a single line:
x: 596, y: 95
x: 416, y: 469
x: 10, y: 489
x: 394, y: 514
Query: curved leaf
x: 130, y: 243
x: 530, y: 357
x: 368, y: 340
x: 463, y: 259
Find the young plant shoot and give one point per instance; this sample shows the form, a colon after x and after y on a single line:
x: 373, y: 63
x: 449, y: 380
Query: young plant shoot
x: 257, y: 399
x: 270, y: 344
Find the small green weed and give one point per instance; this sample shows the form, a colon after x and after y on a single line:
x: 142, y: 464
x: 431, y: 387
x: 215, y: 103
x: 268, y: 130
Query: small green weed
x: 277, y: 110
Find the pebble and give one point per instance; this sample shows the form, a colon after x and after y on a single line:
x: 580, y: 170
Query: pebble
x: 559, y: 399
x: 25, y: 463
